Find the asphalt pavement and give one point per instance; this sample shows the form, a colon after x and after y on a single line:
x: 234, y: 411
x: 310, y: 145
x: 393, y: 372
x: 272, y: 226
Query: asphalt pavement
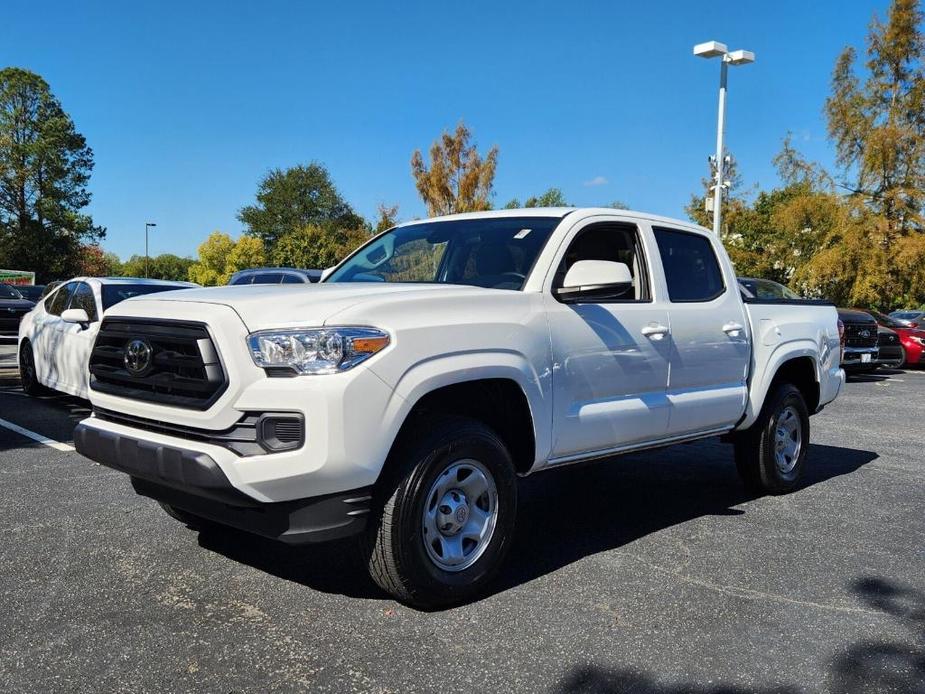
x: 653, y: 573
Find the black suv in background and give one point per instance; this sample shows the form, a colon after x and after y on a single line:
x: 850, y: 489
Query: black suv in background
x: 12, y: 308
x: 862, y: 342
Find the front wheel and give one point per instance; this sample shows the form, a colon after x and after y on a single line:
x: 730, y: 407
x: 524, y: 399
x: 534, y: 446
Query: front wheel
x: 444, y: 517
x: 771, y: 454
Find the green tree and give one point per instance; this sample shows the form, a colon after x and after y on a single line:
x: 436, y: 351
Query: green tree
x: 247, y: 252
x: 388, y: 217
x: 878, y: 125
x: 458, y: 179
x: 45, y: 165
x: 211, y: 267
x: 289, y: 199
x: 94, y: 262
x: 317, y: 247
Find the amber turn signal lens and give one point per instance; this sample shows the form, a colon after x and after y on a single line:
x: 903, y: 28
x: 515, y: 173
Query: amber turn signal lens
x: 369, y: 345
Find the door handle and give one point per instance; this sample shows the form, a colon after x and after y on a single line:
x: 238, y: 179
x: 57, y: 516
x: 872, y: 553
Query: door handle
x: 656, y: 331
x: 733, y: 329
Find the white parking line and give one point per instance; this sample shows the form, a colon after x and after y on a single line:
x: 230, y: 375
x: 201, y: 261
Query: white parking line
x: 45, y: 441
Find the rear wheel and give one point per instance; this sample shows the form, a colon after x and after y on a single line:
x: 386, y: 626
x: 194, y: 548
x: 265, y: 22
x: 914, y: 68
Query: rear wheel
x: 771, y: 454
x: 898, y: 362
x: 444, y: 516
x: 28, y: 375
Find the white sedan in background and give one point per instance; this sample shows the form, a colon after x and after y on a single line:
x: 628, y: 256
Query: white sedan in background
x: 56, y: 337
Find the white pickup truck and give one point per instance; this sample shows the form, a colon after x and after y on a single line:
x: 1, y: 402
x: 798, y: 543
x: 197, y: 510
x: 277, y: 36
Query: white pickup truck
x: 400, y: 398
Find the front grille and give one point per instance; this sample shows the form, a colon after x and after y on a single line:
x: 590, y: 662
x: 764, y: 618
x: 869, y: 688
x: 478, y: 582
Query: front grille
x: 181, y: 367
x: 854, y: 337
x: 245, y: 437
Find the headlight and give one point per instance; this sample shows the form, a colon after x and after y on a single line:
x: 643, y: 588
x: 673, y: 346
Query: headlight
x: 916, y: 338
x: 315, y: 350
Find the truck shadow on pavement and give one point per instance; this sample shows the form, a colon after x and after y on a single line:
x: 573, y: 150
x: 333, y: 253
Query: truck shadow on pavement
x: 866, y: 667
x: 563, y: 516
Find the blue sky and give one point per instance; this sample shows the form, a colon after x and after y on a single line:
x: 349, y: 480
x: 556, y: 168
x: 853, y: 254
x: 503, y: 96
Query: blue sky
x: 187, y: 104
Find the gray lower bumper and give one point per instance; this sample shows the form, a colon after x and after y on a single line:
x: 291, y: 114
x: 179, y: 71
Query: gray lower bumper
x: 194, y: 482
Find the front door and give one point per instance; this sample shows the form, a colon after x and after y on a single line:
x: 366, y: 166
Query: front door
x: 610, y: 358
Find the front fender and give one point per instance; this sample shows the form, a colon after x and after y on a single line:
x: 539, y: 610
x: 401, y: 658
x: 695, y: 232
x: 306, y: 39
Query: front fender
x: 436, y: 372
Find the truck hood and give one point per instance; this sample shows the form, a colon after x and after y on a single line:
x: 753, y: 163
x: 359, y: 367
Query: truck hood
x: 301, y: 305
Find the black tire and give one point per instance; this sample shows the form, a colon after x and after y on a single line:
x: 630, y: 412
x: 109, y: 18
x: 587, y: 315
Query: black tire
x: 28, y: 375
x: 184, y: 517
x: 756, y: 448
x: 899, y: 363
x: 394, y: 551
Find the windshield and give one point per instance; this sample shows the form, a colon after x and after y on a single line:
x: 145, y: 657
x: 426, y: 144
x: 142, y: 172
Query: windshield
x: 496, y: 252
x: 767, y: 289
x: 7, y: 292
x: 112, y: 294
x: 906, y: 315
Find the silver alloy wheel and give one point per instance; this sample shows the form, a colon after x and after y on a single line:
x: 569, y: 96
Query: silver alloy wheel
x: 460, y: 514
x: 788, y: 439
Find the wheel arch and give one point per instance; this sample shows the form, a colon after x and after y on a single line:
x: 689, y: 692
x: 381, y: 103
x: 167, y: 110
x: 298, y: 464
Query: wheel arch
x: 798, y: 365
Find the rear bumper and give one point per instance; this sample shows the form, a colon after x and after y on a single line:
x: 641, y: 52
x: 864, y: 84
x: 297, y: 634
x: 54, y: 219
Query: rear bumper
x: 194, y: 482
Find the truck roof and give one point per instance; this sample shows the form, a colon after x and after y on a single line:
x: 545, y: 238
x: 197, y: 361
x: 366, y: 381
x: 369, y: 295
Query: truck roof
x: 560, y: 212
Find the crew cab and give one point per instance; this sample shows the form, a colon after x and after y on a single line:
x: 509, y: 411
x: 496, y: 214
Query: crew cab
x: 399, y: 399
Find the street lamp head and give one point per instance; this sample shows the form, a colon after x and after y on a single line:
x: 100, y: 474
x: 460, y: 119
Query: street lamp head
x: 150, y: 224
x: 710, y: 49
x: 741, y: 58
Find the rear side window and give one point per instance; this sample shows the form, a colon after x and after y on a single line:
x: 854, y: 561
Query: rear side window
x: 691, y: 269
x: 292, y: 279
x: 58, y: 301
x: 268, y: 278
x: 83, y: 298
x: 243, y: 279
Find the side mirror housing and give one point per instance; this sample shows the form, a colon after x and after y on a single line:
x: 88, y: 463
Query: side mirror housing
x: 595, y: 279
x: 76, y: 315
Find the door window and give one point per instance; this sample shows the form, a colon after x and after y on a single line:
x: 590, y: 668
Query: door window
x: 58, y: 301
x: 292, y: 279
x: 83, y: 298
x: 691, y: 269
x: 268, y: 278
x: 614, y: 241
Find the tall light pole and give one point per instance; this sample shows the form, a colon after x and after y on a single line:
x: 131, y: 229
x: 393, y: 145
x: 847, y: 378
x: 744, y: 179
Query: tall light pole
x: 715, y: 49
x: 147, y: 224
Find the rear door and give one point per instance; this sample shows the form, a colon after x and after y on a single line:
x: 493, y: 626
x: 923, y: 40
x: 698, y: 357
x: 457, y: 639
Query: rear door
x: 707, y: 386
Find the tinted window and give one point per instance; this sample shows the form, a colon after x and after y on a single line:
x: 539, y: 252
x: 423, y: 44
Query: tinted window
x: 613, y: 241
x: 243, y: 279
x: 8, y: 292
x: 57, y: 302
x: 495, y: 252
x: 691, y: 269
x: 268, y: 278
x: 114, y: 293
x: 767, y: 289
x: 83, y: 298
x: 292, y: 279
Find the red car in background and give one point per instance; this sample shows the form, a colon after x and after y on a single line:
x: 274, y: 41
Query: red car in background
x: 912, y: 339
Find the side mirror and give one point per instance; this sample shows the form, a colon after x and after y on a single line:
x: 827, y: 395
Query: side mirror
x: 326, y: 273
x: 76, y: 315
x: 595, y: 279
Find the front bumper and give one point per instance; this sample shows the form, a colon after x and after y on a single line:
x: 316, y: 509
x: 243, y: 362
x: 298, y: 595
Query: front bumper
x: 192, y: 481
x: 853, y: 357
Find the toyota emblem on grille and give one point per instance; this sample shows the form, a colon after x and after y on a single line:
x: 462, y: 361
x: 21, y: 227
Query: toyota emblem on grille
x: 864, y: 333
x: 137, y: 357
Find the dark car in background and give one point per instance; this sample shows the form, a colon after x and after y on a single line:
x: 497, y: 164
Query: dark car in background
x: 891, y: 353
x: 12, y: 308
x: 32, y: 292
x: 911, y: 340
x: 275, y: 275
x: 862, y: 340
